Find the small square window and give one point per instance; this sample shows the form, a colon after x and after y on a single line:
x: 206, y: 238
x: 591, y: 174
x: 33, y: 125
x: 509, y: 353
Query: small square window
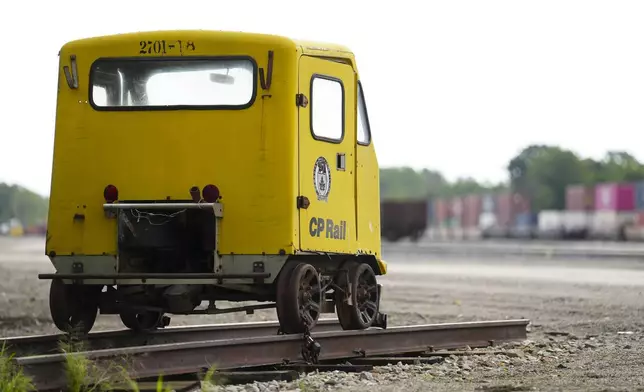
x: 327, y: 109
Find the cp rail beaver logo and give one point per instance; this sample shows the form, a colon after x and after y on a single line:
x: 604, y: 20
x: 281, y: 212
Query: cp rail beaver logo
x: 322, y: 178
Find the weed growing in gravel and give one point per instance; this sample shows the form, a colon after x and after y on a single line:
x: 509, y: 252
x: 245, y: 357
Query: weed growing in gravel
x: 82, y: 374
x: 12, y: 378
x: 303, y: 386
x: 211, y: 379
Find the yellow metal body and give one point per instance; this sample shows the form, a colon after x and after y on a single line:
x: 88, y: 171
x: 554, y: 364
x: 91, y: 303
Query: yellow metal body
x: 262, y: 157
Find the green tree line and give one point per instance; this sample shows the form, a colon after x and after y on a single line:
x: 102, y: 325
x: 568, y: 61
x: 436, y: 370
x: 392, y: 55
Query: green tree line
x: 540, y: 172
x: 17, y: 202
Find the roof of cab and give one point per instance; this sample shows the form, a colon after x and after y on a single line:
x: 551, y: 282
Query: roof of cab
x: 307, y: 47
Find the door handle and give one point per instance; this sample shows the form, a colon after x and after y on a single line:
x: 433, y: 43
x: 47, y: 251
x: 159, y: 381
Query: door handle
x: 341, y: 161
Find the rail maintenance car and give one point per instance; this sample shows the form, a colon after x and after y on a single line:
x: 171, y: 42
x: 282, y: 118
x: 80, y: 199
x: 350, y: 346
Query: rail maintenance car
x: 192, y: 167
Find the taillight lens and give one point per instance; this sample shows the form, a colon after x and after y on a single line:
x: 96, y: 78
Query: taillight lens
x: 111, y: 193
x: 210, y: 193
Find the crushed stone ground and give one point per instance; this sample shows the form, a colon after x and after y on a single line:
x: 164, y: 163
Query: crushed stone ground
x: 586, y: 331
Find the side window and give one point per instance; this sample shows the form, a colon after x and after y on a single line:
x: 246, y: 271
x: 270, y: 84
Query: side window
x: 364, y: 132
x: 327, y: 109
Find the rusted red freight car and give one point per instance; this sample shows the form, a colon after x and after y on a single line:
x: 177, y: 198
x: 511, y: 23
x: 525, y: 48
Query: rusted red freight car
x: 456, y: 211
x: 509, y: 204
x: 472, y: 207
x: 442, y: 213
x: 401, y: 219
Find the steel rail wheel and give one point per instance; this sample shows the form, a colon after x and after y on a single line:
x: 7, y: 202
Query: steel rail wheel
x: 361, y: 309
x: 299, y: 298
x: 73, y: 308
x: 143, y: 321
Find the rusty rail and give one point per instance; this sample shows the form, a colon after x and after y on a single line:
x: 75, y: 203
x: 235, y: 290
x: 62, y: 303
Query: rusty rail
x: 24, y: 346
x: 47, y: 371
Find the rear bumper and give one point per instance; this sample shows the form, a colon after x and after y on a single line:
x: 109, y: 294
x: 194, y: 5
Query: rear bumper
x: 216, y: 207
x: 154, y: 278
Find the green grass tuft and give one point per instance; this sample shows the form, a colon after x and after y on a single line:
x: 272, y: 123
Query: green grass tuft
x: 12, y: 378
x: 83, y: 375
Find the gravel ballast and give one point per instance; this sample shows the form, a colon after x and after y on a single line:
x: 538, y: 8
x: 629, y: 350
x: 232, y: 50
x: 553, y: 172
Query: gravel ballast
x: 585, y: 332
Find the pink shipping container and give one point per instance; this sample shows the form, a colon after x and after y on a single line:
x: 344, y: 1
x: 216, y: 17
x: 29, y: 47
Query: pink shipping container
x: 472, y: 208
x: 441, y: 212
x: 580, y: 198
x: 615, y: 197
x: 509, y: 204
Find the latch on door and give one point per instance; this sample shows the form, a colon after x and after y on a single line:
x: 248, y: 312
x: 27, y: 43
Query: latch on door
x: 300, y: 100
x: 341, y: 161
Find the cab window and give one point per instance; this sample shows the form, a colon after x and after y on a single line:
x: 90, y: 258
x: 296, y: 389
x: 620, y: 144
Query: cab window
x: 364, y: 132
x: 118, y: 84
x: 327, y: 109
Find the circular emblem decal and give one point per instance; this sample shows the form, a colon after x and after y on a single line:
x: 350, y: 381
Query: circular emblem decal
x: 322, y: 178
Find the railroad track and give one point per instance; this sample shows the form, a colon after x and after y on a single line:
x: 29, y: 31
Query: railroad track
x: 26, y: 346
x: 180, y: 351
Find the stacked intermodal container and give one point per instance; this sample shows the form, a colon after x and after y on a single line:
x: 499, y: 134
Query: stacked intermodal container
x: 509, y: 204
x: 504, y: 210
x: 635, y: 232
x: 441, y: 212
x: 577, y: 218
x: 441, y: 218
x: 614, y: 197
x: 487, y: 222
x: 614, y: 210
x: 639, y: 196
x: 472, y: 208
x: 580, y: 198
x: 456, y: 217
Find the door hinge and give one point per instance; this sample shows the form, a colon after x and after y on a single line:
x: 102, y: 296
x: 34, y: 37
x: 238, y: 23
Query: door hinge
x: 303, y: 202
x: 300, y: 100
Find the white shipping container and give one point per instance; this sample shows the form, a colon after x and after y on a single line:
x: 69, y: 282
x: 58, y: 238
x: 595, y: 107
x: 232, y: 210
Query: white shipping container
x: 635, y: 233
x: 604, y: 225
x: 489, y: 226
x: 487, y: 220
x: 551, y: 224
x: 577, y: 223
x: 610, y: 224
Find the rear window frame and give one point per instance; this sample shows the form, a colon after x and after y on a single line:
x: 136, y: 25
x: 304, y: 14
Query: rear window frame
x: 90, y: 85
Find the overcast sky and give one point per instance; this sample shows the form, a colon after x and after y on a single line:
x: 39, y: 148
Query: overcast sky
x: 458, y: 86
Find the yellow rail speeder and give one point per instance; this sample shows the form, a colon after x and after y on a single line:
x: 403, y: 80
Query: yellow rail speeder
x: 203, y: 166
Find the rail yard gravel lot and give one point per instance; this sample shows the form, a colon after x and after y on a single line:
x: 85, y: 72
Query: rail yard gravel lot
x: 586, y: 331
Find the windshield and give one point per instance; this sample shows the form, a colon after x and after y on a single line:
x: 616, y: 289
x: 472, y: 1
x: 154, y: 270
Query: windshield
x: 165, y: 83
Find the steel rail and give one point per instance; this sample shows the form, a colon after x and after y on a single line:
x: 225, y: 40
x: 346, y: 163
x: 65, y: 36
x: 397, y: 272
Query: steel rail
x: 47, y: 371
x: 23, y: 346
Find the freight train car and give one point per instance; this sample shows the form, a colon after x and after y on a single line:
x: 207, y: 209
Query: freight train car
x: 400, y: 219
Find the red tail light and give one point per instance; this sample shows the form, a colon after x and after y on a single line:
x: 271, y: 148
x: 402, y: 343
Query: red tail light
x: 210, y: 193
x: 111, y: 194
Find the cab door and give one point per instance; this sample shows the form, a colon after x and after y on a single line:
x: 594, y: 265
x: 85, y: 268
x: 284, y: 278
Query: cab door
x: 327, y: 135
